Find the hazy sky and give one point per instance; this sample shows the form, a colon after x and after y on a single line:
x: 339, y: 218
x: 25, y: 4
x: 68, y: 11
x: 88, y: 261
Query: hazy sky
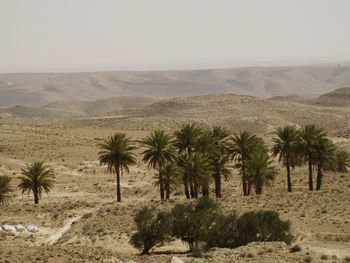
x: 71, y: 35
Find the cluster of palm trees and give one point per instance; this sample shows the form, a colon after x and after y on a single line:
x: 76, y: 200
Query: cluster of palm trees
x: 193, y: 158
x: 309, y: 145
x: 36, y: 178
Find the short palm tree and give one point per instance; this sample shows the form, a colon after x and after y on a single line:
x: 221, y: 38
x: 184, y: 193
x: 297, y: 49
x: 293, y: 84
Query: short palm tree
x: 159, y: 150
x: 324, y: 150
x: 37, y: 178
x: 260, y: 170
x: 185, y: 143
x: 170, y: 177
x: 117, y: 153
x: 221, y: 168
x: 5, y: 189
x: 241, y: 148
x: 286, y: 146
x: 197, y: 169
x: 341, y: 161
x: 309, y: 134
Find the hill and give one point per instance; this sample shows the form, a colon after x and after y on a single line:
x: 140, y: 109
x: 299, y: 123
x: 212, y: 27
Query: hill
x: 103, y: 105
x: 337, y: 98
x: 43, y: 88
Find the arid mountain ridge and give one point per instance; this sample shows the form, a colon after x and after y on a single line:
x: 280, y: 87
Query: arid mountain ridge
x: 40, y: 89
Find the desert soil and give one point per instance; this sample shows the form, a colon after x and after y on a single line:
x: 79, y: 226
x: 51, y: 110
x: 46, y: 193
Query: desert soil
x: 79, y: 220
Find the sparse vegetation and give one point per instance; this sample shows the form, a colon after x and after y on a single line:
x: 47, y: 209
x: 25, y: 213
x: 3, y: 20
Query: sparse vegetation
x: 5, y: 189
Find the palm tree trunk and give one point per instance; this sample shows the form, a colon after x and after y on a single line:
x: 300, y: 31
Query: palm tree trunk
x: 311, y: 183
x: 167, y: 191
x: 249, y: 187
x: 218, y: 185
x: 205, y: 190
x: 319, y: 177
x: 36, y: 196
x: 244, y: 182
x: 289, y: 179
x: 258, y: 189
x: 119, y: 197
x: 192, y: 190
x: 161, y: 187
x: 187, y: 191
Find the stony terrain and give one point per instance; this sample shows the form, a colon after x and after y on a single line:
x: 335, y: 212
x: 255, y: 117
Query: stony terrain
x: 80, y: 222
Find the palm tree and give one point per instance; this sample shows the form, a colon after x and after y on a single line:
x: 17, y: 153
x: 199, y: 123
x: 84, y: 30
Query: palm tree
x: 260, y: 170
x: 341, y: 161
x: 159, y: 150
x: 116, y: 153
x: 185, y: 142
x: 286, y: 145
x: 324, y: 157
x: 196, y: 169
x: 37, y: 178
x: 5, y: 189
x: 170, y: 177
x: 220, y: 168
x: 309, y: 134
x: 241, y: 148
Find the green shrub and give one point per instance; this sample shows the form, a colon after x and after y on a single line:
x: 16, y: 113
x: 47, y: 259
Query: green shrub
x: 153, y: 228
x: 192, y: 223
x: 224, y: 232
x: 272, y: 228
x: 295, y: 248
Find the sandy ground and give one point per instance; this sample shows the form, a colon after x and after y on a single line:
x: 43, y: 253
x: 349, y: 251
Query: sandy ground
x: 79, y: 220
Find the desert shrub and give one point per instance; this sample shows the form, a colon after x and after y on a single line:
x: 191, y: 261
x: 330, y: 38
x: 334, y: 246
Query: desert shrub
x: 153, y: 228
x: 324, y: 257
x: 248, y: 228
x: 346, y: 259
x: 272, y: 228
x: 295, y: 248
x: 224, y: 232
x: 192, y: 222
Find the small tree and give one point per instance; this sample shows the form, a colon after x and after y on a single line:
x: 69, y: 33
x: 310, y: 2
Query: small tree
x: 153, y: 228
x: 341, y: 161
x: 37, y: 178
x: 5, y: 189
x: 192, y: 223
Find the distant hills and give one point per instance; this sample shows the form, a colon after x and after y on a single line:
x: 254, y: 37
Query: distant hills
x: 337, y: 98
x: 37, y: 90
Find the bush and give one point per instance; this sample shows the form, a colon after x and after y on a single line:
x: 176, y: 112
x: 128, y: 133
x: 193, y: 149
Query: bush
x: 192, y: 223
x: 224, y: 232
x: 203, y: 225
x: 295, y: 248
x: 272, y: 228
x: 153, y: 228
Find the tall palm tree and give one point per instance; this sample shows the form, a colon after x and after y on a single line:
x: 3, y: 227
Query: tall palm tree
x: 117, y: 153
x: 170, y: 177
x: 260, y: 170
x: 5, y: 189
x: 241, y: 148
x: 309, y: 134
x: 159, y: 150
x: 286, y: 145
x: 185, y: 143
x: 324, y: 157
x: 38, y: 178
x: 196, y: 168
x: 341, y: 161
